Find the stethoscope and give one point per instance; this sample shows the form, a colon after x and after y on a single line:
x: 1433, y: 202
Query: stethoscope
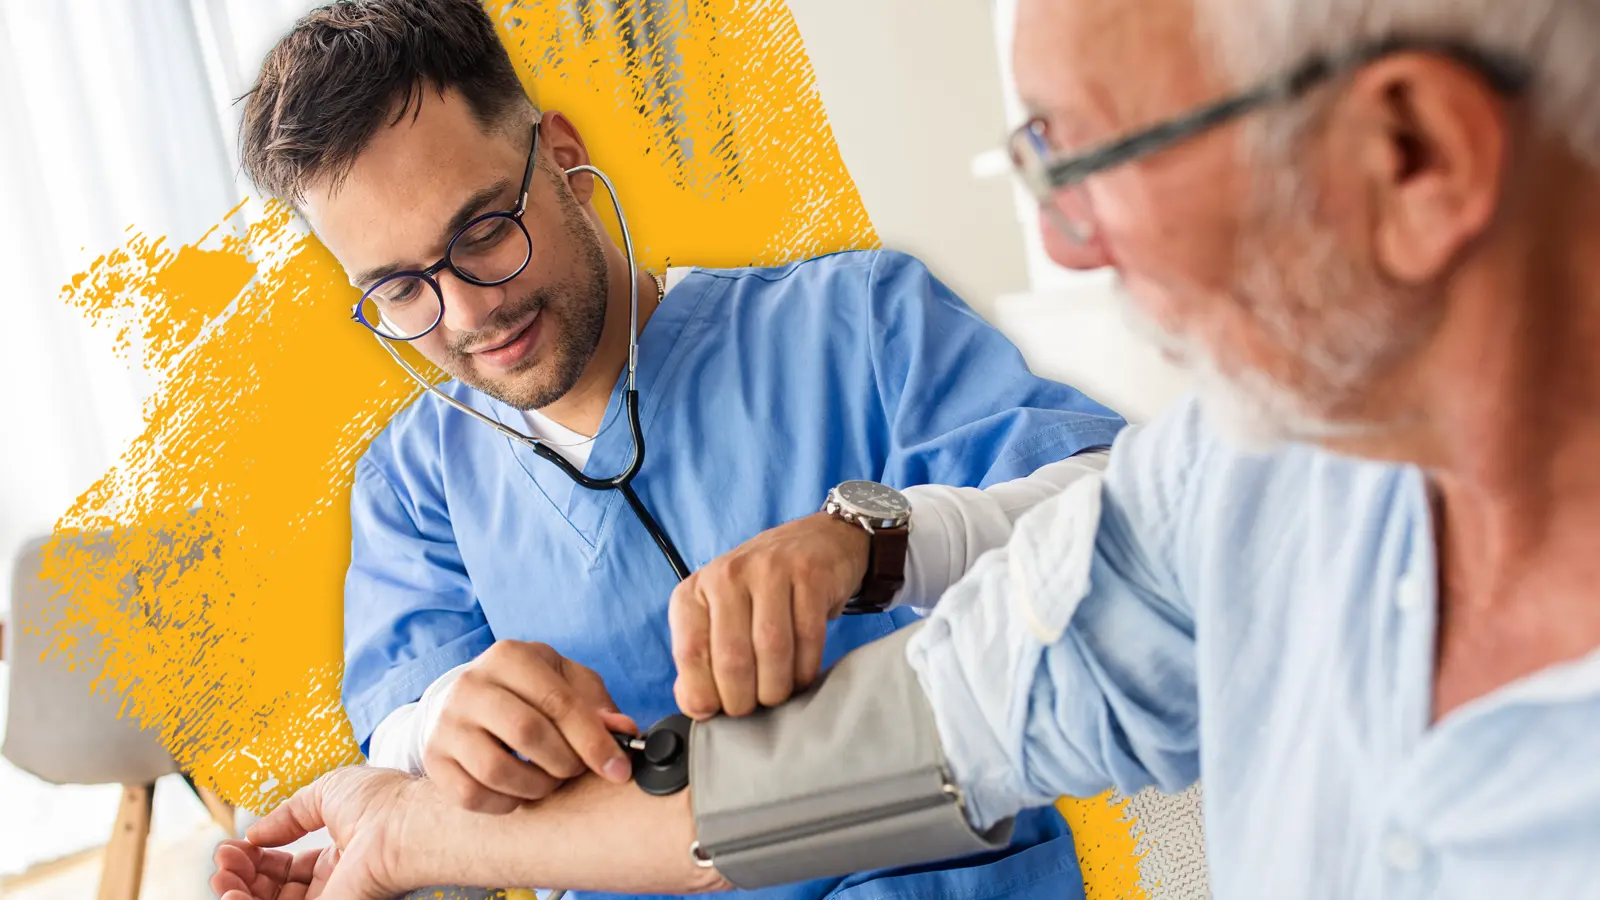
x: 660, y: 766
x: 623, y: 481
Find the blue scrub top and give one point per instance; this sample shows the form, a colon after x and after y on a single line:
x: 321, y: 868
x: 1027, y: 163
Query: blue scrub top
x: 760, y: 389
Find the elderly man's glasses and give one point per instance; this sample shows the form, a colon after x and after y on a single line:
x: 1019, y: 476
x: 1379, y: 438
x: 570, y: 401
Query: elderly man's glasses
x: 489, y: 250
x: 1056, y: 179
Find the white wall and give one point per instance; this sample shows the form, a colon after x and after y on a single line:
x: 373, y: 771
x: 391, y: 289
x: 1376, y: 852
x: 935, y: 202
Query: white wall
x: 916, y: 92
x: 913, y: 94
x: 1071, y: 325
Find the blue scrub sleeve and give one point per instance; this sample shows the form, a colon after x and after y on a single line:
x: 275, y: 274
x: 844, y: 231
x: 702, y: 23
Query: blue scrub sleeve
x: 963, y: 406
x: 410, y: 613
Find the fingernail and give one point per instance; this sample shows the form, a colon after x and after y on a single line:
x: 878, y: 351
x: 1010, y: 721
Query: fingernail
x: 618, y: 769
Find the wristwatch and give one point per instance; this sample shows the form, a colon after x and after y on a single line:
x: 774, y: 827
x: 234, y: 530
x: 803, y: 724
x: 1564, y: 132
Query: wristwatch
x: 885, y: 514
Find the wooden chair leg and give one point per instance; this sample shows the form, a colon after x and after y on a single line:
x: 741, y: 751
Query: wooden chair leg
x: 221, y: 811
x: 123, y: 871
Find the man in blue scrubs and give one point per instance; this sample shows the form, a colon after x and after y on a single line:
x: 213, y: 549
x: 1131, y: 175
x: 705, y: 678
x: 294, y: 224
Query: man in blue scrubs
x: 499, y: 619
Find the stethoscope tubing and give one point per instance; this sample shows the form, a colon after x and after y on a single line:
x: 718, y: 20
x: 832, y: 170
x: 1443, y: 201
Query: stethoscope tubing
x: 623, y: 481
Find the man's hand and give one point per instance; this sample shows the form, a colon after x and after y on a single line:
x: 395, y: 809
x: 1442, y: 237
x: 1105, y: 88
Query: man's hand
x: 364, y: 810
x: 749, y: 627
x: 523, y: 700
x: 393, y: 833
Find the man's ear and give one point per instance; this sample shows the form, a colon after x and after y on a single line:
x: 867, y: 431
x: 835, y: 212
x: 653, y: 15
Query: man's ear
x: 1432, y: 147
x: 565, y: 146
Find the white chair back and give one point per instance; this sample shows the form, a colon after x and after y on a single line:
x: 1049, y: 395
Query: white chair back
x: 58, y: 727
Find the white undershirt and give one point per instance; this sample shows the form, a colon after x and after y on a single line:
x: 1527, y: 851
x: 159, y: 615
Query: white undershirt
x: 570, y: 444
x: 950, y: 528
x: 398, y: 740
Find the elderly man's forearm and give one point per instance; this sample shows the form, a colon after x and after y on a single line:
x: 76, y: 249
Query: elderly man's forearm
x: 591, y: 835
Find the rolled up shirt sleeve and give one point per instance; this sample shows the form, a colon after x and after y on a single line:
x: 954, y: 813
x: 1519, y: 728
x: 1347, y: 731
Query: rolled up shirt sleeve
x: 1064, y: 662
x: 953, y: 526
x: 400, y: 739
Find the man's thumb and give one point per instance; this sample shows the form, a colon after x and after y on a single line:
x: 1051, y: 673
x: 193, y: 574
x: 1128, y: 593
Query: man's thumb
x: 291, y: 821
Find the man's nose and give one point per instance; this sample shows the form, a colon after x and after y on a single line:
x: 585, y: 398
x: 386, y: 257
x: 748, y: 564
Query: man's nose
x: 1066, y: 251
x: 467, y: 306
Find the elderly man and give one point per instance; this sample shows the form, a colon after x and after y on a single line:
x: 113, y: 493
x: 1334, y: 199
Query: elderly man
x: 1370, y: 228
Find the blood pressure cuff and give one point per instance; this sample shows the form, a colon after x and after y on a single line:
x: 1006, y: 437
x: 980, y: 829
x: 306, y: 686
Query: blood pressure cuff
x: 845, y: 778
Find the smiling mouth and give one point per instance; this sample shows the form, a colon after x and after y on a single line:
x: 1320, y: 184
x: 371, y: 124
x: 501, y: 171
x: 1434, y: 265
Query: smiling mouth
x: 508, y: 340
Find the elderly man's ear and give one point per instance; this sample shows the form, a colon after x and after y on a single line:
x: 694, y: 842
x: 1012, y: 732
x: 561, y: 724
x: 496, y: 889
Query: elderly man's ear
x: 1426, y: 137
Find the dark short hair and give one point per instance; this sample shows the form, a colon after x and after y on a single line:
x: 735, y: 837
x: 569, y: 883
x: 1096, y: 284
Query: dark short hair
x: 350, y: 67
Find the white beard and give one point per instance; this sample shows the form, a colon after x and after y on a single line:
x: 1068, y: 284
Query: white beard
x: 1249, y: 408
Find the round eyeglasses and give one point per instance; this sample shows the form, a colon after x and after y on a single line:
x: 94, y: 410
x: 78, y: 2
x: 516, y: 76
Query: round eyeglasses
x: 489, y: 250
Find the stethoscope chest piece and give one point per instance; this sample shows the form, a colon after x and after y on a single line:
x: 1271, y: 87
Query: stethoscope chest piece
x: 661, y: 756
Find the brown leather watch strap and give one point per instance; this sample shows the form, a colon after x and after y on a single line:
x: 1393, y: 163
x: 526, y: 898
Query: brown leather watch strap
x: 886, y: 572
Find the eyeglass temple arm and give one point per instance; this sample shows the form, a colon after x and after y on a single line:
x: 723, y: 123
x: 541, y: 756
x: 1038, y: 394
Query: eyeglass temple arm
x: 527, y: 171
x: 1075, y: 169
x: 1503, y: 74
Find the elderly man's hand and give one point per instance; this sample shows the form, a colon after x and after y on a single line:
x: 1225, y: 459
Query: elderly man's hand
x: 749, y: 627
x: 364, y: 810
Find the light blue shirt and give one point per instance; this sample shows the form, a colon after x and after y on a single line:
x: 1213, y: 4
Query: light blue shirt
x: 760, y: 389
x: 1266, y: 623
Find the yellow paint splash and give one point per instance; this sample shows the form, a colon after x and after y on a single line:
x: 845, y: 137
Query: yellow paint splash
x: 220, y: 610
x: 1106, y: 837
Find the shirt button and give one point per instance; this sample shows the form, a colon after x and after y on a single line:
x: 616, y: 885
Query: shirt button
x: 1402, y: 852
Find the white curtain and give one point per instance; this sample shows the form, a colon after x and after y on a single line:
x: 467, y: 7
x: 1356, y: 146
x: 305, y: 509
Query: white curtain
x: 113, y: 116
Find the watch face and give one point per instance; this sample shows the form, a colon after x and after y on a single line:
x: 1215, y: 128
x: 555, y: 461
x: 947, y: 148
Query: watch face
x: 873, y: 500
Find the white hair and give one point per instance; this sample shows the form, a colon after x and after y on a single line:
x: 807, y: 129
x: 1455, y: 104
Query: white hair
x: 1557, y: 40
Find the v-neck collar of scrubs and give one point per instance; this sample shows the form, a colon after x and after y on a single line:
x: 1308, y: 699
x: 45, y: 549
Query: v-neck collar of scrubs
x: 585, y: 510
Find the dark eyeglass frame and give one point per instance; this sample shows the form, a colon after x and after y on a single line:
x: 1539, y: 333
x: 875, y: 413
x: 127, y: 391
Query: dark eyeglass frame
x: 1049, y: 171
x: 427, y: 275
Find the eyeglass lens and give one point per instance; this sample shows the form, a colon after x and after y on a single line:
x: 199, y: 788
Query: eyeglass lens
x: 490, y: 250
x: 1067, y: 207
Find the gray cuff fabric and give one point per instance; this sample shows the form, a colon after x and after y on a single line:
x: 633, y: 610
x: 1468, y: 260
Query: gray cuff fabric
x: 847, y: 777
